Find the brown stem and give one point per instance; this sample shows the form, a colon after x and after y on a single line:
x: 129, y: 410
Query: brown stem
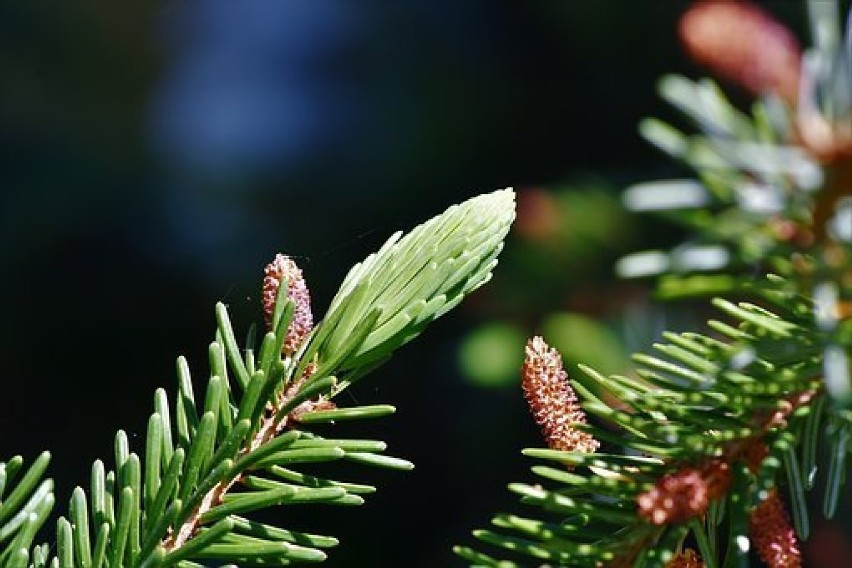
x: 215, y: 496
x: 838, y: 183
x: 269, y: 429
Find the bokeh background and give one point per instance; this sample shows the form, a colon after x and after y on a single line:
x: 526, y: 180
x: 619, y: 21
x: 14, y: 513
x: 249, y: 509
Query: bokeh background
x: 156, y: 155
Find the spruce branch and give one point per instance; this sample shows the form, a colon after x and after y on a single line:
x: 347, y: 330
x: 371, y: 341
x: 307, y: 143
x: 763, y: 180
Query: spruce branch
x: 675, y: 438
x: 248, y: 441
x: 712, y: 441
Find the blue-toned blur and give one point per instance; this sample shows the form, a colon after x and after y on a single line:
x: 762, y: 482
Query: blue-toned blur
x: 155, y: 156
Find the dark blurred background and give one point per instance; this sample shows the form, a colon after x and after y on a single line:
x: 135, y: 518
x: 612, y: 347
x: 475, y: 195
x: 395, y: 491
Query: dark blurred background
x: 156, y: 155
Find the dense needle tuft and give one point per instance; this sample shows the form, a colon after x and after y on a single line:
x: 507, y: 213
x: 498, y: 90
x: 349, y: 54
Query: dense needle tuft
x: 283, y: 269
x: 552, y: 401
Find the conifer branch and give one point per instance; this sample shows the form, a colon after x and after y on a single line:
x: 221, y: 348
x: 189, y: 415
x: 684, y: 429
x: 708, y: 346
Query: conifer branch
x: 708, y: 448
x: 211, y: 460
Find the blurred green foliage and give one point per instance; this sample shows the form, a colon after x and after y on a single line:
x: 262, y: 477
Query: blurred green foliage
x: 556, y: 279
x: 586, y: 340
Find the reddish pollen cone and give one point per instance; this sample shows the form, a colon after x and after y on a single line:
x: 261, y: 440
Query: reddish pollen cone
x: 283, y: 269
x: 675, y: 498
x: 742, y: 43
x: 773, y: 535
x: 684, y: 494
x: 552, y: 401
x: 686, y: 559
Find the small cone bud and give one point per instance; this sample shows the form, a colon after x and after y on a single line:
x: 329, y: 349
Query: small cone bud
x: 772, y: 534
x: 686, y: 559
x: 744, y: 44
x: 283, y: 269
x: 552, y: 401
x: 684, y: 494
x: 675, y: 498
